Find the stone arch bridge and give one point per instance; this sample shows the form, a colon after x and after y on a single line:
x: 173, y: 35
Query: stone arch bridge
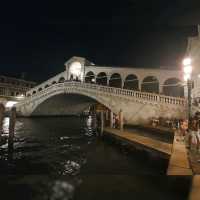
x: 141, y: 94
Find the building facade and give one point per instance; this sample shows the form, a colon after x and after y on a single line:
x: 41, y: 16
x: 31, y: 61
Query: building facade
x: 13, y: 87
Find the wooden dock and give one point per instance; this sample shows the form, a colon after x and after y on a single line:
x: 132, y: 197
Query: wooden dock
x: 195, y: 189
x: 132, y: 137
x: 179, y: 160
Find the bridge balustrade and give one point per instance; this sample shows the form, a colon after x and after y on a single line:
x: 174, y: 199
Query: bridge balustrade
x: 105, y: 89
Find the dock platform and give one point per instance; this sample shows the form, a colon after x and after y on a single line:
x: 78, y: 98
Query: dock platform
x: 132, y: 137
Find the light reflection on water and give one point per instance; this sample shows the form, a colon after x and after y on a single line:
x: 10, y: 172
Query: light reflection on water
x: 61, y: 159
x: 6, y: 123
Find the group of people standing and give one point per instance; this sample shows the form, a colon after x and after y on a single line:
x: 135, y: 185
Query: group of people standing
x: 191, y: 134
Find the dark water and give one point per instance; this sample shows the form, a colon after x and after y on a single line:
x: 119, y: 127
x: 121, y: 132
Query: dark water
x: 61, y: 159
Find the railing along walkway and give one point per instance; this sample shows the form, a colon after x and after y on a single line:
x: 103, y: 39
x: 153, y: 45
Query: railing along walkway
x: 88, y: 87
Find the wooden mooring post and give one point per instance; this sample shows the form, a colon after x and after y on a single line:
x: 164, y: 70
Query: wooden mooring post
x: 102, y: 123
x: 11, y: 129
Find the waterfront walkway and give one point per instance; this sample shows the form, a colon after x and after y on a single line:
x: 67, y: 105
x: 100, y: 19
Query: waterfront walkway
x: 179, y: 160
x: 132, y: 137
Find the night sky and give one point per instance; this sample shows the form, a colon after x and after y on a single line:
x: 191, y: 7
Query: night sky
x: 41, y: 36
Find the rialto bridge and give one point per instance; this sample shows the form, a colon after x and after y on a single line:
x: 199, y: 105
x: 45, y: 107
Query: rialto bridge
x: 140, y: 94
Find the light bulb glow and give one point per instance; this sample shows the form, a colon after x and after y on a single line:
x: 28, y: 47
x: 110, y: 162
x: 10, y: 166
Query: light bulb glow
x: 187, y: 61
x: 188, y: 69
x: 75, y: 68
x: 187, y: 77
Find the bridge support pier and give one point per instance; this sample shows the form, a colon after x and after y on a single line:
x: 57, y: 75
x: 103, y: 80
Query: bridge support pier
x: 121, y: 120
x: 2, y: 110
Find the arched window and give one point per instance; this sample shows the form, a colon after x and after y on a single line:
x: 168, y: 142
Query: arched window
x: 101, y: 78
x: 150, y: 84
x: 40, y: 89
x: 54, y: 82
x: 46, y: 86
x: 34, y: 92
x: 173, y: 87
x: 61, y: 80
x: 90, y: 77
x: 131, y: 82
x: 115, y: 81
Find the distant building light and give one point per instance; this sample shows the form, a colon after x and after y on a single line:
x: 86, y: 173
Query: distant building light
x: 10, y: 104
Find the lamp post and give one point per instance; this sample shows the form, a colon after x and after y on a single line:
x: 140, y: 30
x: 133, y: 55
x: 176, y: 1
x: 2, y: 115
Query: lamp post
x: 187, y: 77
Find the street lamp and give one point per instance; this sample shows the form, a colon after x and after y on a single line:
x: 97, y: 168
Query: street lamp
x: 187, y: 68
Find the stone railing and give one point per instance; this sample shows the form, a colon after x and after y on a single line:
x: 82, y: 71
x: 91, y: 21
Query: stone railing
x: 91, y: 88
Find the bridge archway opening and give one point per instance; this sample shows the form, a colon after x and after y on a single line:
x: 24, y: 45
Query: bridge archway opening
x: 40, y: 89
x: 54, y: 82
x: 115, y: 80
x: 46, y: 86
x: 131, y: 82
x: 173, y: 87
x: 34, y: 92
x: 61, y: 80
x: 150, y: 84
x: 101, y: 78
x: 90, y: 77
x: 66, y: 104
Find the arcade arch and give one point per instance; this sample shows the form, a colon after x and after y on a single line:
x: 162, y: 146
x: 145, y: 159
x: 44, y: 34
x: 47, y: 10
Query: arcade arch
x: 150, y: 84
x: 101, y: 78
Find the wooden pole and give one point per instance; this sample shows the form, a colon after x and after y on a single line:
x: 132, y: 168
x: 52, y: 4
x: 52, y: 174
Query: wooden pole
x: 2, y: 110
x: 102, y: 122
x: 11, y: 129
x: 111, y: 119
x: 121, y: 120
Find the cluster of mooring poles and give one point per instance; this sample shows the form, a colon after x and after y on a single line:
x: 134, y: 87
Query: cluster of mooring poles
x: 103, y: 117
x: 12, y: 121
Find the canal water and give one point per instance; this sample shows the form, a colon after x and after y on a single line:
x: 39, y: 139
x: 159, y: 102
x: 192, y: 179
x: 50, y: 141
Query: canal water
x: 62, y: 159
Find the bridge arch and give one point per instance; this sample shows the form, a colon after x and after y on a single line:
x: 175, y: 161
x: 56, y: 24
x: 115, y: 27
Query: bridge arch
x: 53, y: 82
x: 46, y: 86
x: 150, y: 84
x: 34, y: 92
x: 61, y: 80
x: 90, y: 77
x: 173, y: 87
x: 40, y: 89
x: 104, y: 101
x: 115, y: 80
x: 131, y: 82
x: 101, y: 78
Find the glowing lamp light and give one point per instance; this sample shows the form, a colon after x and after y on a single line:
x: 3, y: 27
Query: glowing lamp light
x: 75, y: 68
x: 187, y: 77
x: 10, y: 104
x: 187, y: 61
x: 20, y: 96
x: 188, y: 69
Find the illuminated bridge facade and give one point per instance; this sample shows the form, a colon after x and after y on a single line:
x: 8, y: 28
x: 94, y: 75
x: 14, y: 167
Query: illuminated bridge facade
x: 140, y: 94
